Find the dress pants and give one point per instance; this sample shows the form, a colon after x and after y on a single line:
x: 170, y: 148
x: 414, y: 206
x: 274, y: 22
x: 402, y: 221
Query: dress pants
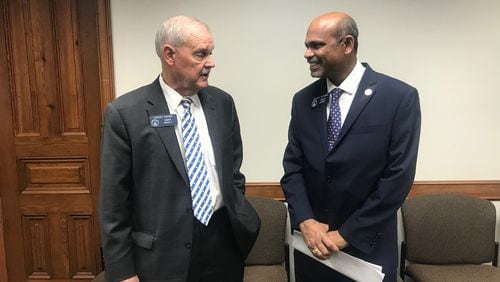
x: 214, y: 253
x: 310, y: 270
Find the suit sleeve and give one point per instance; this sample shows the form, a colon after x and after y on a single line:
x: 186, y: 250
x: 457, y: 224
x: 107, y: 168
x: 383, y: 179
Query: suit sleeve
x: 292, y: 181
x: 366, y: 225
x: 114, y: 208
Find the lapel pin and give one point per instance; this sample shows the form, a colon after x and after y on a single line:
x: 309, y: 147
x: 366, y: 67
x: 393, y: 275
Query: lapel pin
x: 368, y: 92
x: 314, y: 103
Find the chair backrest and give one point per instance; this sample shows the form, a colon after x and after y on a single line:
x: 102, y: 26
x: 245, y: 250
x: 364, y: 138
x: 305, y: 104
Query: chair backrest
x: 269, y: 247
x: 449, y: 229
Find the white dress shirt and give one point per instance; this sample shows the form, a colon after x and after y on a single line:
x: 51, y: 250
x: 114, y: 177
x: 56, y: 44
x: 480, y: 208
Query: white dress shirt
x: 349, y: 86
x: 173, y: 99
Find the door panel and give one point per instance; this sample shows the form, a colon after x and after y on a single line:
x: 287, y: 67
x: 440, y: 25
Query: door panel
x: 54, y: 78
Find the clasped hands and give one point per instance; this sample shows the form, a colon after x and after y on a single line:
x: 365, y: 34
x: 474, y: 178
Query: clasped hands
x: 320, y: 241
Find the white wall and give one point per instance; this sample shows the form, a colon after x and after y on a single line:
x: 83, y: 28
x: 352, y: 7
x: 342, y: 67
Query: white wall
x: 448, y: 49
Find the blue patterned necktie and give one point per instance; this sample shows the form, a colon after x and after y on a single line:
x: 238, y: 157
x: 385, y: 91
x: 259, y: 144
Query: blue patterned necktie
x: 334, y: 122
x: 203, y: 206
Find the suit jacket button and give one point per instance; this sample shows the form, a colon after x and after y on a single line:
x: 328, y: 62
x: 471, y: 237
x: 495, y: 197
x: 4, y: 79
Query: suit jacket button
x: 329, y: 179
x: 189, y: 210
x: 187, y: 245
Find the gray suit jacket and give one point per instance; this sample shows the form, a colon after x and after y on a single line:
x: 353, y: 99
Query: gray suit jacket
x: 145, y: 208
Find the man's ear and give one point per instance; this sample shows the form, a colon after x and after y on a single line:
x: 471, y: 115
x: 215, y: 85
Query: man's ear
x: 169, y: 54
x: 348, y: 43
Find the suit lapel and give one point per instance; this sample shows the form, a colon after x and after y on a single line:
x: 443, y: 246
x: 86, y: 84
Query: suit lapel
x: 212, y: 118
x: 359, y: 103
x: 319, y: 114
x: 158, y: 106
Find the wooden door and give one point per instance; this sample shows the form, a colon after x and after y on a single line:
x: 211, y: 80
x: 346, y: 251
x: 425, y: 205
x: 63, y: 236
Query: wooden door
x: 55, y: 79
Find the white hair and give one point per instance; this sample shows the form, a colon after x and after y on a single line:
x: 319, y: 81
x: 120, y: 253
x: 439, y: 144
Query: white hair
x: 172, y: 31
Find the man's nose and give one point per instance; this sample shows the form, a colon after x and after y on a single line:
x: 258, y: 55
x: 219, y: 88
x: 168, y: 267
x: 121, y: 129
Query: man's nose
x: 210, y: 62
x: 308, y: 53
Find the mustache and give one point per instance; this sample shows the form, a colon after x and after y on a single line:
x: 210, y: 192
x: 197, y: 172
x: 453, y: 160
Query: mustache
x: 205, y: 72
x: 313, y: 60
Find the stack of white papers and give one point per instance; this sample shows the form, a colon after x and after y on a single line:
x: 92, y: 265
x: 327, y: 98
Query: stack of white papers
x: 350, y: 266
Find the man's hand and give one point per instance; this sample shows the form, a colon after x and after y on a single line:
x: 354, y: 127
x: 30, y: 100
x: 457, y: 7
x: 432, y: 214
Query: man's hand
x: 316, y: 238
x: 131, y: 279
x: 338, y: 241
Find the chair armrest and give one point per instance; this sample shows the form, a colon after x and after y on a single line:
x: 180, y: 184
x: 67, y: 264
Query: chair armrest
x: 287, y: 261
x: 495, y: 258
x: 402, y: 262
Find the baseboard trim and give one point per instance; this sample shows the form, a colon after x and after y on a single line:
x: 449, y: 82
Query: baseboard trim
x: 486, y: 189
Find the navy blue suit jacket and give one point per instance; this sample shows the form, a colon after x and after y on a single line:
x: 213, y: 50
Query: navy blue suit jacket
x: 359, y: 185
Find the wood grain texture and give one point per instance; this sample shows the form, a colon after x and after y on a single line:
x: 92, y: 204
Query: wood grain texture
x: 37, y: 246
x: 81, y: 241
x: 53, y: 175
x: 55, y: 80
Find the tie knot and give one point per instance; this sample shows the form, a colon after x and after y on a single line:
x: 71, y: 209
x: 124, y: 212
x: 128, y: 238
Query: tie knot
x: 186, y: 103
x: 336, y: 92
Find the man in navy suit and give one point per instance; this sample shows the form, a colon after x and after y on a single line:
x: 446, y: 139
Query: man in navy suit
x: 159, y: 143
x: 350, y: 159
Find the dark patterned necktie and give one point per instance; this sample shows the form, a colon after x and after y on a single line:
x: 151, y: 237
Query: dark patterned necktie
x: 334, y: 123
x: 203, y: 206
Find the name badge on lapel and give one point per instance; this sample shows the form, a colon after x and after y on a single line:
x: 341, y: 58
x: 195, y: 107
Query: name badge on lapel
x: 162, y: 121
x: 319, y: 100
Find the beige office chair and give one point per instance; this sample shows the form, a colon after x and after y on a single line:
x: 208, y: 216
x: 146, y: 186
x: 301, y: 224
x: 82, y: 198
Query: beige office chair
x: 267, y: 261
x: 449, y: 237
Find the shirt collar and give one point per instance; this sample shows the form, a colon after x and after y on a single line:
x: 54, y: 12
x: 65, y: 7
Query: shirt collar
x: 351, y: 82
x: 174, y: 98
